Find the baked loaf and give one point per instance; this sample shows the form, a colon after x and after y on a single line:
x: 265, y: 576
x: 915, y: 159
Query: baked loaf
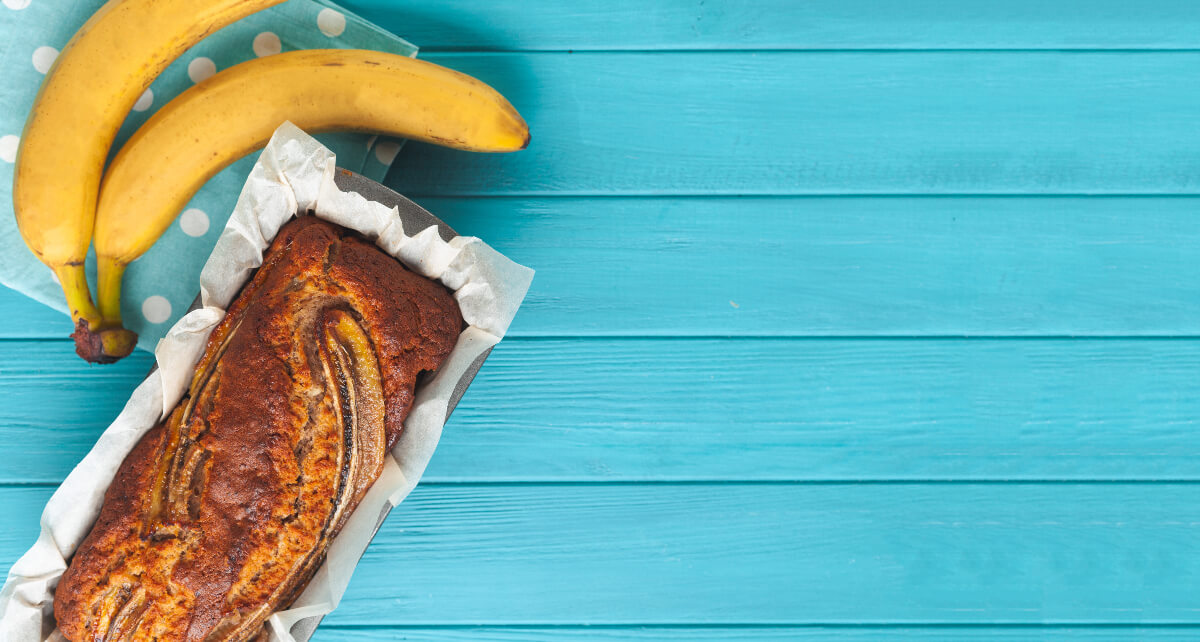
x: 221, y: 514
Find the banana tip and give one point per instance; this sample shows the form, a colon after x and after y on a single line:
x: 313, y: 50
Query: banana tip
x: 106, y: 345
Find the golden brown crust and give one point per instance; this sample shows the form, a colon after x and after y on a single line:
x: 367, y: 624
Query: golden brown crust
x: 221, y: 514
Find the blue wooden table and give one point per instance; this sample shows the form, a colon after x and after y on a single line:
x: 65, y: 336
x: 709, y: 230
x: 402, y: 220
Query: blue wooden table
x: 854, y: 319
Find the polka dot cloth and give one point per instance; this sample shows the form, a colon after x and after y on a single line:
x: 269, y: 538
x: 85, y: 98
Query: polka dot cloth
x: 201, y: 69
x: 386, y: 150
x: 8, y: 148
x: 193, y: 222
x: 156, y: 309
x: 43, y: 58
x: 159, y: 287
x: 146, y: 100
x: 267, y: 44
x: 331, y: 22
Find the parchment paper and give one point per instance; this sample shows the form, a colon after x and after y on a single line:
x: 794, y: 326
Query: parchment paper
x: 294, y: 174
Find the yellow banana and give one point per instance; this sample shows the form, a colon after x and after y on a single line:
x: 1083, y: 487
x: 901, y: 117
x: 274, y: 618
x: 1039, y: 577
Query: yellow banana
x: 94, y: 82
x: 235, y: 112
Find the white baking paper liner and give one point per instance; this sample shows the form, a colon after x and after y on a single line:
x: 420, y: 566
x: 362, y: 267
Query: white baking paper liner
x: 293, y: 174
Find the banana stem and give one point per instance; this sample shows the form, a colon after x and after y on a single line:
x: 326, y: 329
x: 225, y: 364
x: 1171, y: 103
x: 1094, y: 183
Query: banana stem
x: 108, y: 289
x: 95, y: 339
x: 79, y: 297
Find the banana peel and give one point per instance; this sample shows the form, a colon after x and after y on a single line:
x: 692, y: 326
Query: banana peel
x: 84, y: 99
x: 234, y: 112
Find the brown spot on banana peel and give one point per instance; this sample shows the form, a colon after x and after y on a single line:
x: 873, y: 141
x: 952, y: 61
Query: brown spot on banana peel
x: 445, y: 141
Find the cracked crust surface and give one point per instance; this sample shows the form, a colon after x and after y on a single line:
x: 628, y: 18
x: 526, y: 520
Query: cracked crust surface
x: 220, y: 514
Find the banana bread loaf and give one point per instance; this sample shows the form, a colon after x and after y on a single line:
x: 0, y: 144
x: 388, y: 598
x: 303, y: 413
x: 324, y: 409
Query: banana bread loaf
x: 221, y: 514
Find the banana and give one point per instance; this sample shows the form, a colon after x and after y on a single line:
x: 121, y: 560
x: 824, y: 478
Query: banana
x: 235, y: 112
x: 93, y: 84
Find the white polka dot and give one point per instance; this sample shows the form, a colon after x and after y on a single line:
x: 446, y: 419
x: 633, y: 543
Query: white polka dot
x: 143, y: 103
x: 194, y: 222
x: 8, y: 148
x: 386, y: 150
x: 267, y: 44
x: 16, y: 5
x: 201, y: 69
x: 331, y: 23
x: 156, y: 309
x: 43, y: 58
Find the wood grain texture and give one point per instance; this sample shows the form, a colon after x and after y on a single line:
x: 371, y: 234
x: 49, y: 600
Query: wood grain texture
x: 689, y: 435
x: 847, y: 266
x: 757, y: 633
x: 833, y: 266
x: 21, y: 317
x: 831, y: 123
x: 730, y: 554
x: 782, y: 554
x: 609, y: 25
x: 784, y: 410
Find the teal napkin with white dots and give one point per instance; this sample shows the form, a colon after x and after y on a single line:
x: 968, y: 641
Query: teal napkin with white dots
x: 160, y: 286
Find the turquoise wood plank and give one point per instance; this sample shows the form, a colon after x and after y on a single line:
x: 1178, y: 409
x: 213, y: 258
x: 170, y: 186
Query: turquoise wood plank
x: 781, y: 554
x: 847, y: 266
x: 761, y: 634
x: 831, y: 123
x: 55, y: 406
x: 657, y: 410
x: 22, y: 317
x: 786, y: 24
x: 729, y: 554
x: 829, y: 266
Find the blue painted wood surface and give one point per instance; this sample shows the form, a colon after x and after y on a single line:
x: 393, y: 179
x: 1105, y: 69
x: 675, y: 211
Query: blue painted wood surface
x: 854, y: 320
